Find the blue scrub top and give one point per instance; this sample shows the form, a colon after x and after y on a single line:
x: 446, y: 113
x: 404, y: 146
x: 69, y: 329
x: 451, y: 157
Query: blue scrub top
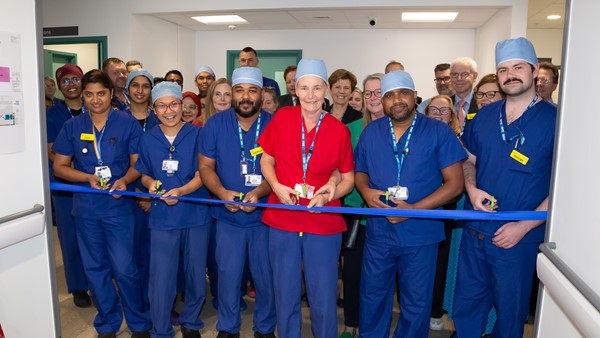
x: 515, y: 186
x: 433, y: 147
x: 149, y: 122
x: 154, y: 149
x: 221, y: 142
x: 120, y: 140
x: 56, y: 116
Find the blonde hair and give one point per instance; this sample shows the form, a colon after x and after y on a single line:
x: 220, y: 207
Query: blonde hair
x: 366, y: 114
x: 453, y: 117
x: 209, y: 108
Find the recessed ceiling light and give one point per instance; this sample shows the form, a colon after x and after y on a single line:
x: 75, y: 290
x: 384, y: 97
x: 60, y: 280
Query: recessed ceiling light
x: 220, y: 19
x: 553, y: 17
x: 429, y: 16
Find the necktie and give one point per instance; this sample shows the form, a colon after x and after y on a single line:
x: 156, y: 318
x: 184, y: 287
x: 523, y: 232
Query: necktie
x: 461, y: 113
x: 294, y: 100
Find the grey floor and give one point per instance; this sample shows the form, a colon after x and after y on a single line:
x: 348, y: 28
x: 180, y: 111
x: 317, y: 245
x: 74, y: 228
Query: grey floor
x: 77, y: 323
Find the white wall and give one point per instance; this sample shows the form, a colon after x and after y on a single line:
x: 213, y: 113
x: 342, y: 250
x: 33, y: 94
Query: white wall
x: 548, y: 43
x: 361, y: 51
x: 487, y: 36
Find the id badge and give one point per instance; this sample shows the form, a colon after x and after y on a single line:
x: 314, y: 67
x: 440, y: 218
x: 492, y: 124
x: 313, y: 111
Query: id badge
x: 170, y: 166
x: 104, y: 173
x: 304, y: 190
x: 253, y: 180
x: 243, y: 167
x: 398, y: 193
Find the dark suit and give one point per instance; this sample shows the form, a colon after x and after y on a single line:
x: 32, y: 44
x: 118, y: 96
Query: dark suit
x: 287, y: 100
x: 472, y: 108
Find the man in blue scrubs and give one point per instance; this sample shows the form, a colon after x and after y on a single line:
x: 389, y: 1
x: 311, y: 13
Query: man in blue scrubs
x: 401, y: 162
x: 509, y: 168
x: 230, y: 169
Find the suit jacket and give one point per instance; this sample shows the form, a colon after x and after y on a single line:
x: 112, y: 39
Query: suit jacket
x: 472, y: 108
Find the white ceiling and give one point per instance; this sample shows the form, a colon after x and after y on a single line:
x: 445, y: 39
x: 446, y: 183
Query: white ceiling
x: 387, y: 18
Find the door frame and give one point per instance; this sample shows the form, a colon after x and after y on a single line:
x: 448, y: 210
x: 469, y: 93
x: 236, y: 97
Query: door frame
x: 101, y: 41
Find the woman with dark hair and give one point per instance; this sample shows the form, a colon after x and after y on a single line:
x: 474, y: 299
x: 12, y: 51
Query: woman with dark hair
x: 488, y: 90
x: 102, y: 145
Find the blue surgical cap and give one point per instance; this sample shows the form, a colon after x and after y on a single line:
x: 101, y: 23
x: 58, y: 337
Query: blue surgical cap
x: 166, y: 88
x: 515, y: 49
x: 206, y: 69
x: 311, y: 67
x: 396, y: 80
x: 139, y: 72
x: 249, y: 75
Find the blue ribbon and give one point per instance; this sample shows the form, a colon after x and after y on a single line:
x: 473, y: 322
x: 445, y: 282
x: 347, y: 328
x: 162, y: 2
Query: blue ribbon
x: 414, y: 213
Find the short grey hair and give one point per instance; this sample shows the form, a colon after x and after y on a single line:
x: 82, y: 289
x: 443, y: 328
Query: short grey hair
x: 465, y: 61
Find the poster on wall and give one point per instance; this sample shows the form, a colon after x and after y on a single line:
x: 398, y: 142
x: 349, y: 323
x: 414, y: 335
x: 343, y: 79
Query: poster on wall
x: 11, y: 94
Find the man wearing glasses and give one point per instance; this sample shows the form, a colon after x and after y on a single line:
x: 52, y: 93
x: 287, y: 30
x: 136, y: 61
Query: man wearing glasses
x: 442, y: 84
x: 463, y: 73
x: 509, y: 169
x: 116, y: 70
x: 547, y: 81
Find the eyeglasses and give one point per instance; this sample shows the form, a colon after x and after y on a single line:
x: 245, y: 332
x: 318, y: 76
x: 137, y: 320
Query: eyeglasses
x: 369, y: 93
x: 439, y: 110
x: 191, y: 106
x: 161, y: 107
x: 179, y: 82
x: 445, y: 79
x: 543, y: 82
x: 462, y: 75
x: 73, y: 80
x: 490, y: 95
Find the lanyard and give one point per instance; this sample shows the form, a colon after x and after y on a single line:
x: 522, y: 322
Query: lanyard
x: 521, y: 137
x: 305, y: 157
x: 98, y: 142
x: 400, y: 159
x: 242, y: 148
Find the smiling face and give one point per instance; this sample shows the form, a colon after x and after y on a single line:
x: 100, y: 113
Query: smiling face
x: 190, y: 109
x: 373, y: 101
x: 290, y: 82
x: 222, y: 97
x: 488, y: 89
x: 341, y: 91
x: 70, y: 86
x: 247, y: 99
x: 399, y: 104
x: 203, y: 81
x: 516, y: 77
x: 140, y: 89
x: 97, y: 98
x: 118, y: 74
x: 462, y: 78
x: 439, y: 109
x: 49, y: 87
x: 311, y: 91
x: 169, y: 111
x: 356, y: 100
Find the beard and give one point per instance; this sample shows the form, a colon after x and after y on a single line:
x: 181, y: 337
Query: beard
x: 248, y: 113
x: 445, y: 90
x: 400, y: 112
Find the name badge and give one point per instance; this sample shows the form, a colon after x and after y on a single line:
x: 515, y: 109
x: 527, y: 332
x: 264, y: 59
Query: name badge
x: 471, y: 116
x: 170, y: 166
x: 304, y: 190
x: 243, y: 167
x: 86, y: 137
x: 104, y: 173
x: 253, y: 180
x: 398, y: 193
x: 517, y: 156
x: 256, y: 151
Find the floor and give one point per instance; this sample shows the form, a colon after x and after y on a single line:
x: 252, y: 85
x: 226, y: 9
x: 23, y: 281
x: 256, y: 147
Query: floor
x: 77, y: 323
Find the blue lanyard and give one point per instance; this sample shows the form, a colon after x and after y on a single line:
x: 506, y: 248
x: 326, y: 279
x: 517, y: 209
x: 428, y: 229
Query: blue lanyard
x: 521, y: 136
x: 400, y: 159
x: 305, y: 157
x: 255, y: 144
x: 98, y: 142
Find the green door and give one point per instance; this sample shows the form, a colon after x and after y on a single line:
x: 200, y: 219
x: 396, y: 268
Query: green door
x: 55, y: 59
x: 272, y: 63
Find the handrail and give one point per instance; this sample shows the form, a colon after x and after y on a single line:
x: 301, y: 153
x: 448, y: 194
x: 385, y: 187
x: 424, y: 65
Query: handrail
x: 36, y: 208
x: 585, y: 290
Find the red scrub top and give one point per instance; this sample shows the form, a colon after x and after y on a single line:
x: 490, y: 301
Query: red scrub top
x: 282, y: 139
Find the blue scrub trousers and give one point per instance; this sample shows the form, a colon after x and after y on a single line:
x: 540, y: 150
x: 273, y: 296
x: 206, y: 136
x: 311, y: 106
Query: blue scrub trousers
x: 211, y: 262
x: 236, y: 245
x: 65, y: 226
x: 318, y: 254
x: 415, y: 267
x: 489, y: 275
x: 141, y: 247
x: 106, y: 246
x: 166, y: 246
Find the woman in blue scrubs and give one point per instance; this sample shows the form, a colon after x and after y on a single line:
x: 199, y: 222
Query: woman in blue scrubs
x: 102, y: 144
